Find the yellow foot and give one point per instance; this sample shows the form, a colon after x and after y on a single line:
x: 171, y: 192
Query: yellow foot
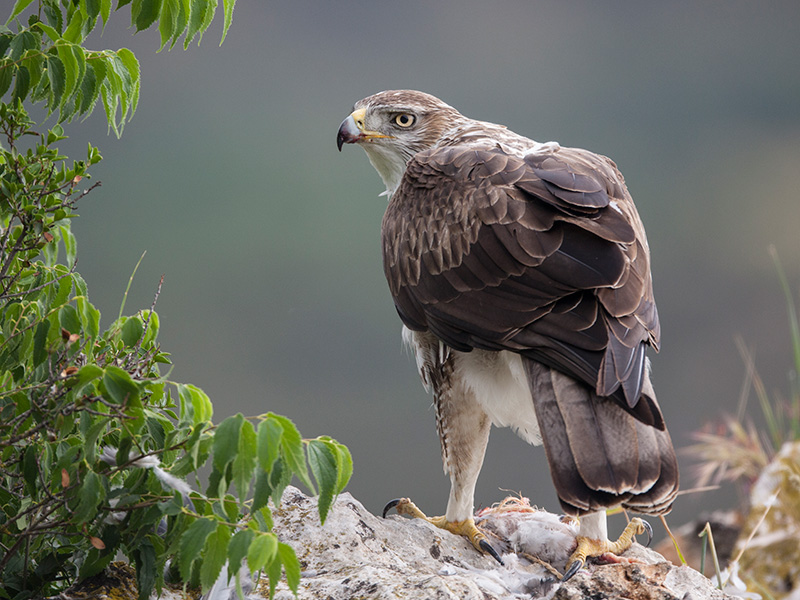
x: 588, y: 547
x: 465, y: 528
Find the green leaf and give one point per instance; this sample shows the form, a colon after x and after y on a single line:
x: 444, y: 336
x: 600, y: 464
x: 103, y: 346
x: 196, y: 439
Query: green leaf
x: 226, y: 441
x: 96, y: 561
x: 111, y: 91
x: 49, y: 31
x: 131, y: 64
x: 209, y: 17
x: 215, y: 556
x: 86, y: 374
x: 89, y: 316
x: 5, y: 41
x: 156, y: 431
x: 322, y: 459
x: 184, y: 8
x: 197, y: 18
x: 144, y: 13
x: 153, y: 325
x: 54, y: 16
x: 68, y: 317
x: 22, y: 82
x: 40, y: 342
x: 192, y: 542
x: 291, y: 566
x: 245, y: 461
x: 92, y: 9
x: 64, y: 289
x: 132, y: 331
x: 263, y: 518
x: 6, y: 75
x: 217, y: 483
x: 91, y: 436
x: 25, y: 40
x: 279, y: 478
x: 344, y: 466
x: 91, y: 494
x: 80, y: 59
x: 124, y: 449
x: 92, y: 84
x: 18, y: 8
x: 56, y: 75
x: 269, y: 440
x: 71, y: 68
x: 105, y: 11
x: 274, y: 574
x: 228, y: 8
x: 30, y: 470
x: 145, y: 569
x: 70, y: 244
x: 262, y: 551
x: 261, y: 490
x: 120, y: 386
x: 237, y: 552
x: 195, y: 404
x: 238, y: 547
x: 168, y: 21
x: 292, y: 450
x: 74, y: 31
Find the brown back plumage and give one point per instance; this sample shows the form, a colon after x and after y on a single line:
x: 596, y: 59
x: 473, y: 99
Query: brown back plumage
x: 494, y: 242
x: 543, y: 255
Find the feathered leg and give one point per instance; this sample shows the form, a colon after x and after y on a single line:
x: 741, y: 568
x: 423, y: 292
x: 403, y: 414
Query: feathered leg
x: 463, y: 429
x: 593, y: 540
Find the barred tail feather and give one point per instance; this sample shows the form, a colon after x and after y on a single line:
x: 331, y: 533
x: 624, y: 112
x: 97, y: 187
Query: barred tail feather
x: 599, y: 454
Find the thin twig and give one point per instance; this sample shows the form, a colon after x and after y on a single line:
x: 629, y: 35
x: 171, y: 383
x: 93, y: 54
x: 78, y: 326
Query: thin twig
x: 130, y: 282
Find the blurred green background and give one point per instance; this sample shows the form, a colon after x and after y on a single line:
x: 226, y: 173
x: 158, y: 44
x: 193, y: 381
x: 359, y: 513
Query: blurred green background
x: 274, y: 296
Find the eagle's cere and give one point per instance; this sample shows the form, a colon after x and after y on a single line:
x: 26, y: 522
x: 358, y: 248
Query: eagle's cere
x: 521, y: 273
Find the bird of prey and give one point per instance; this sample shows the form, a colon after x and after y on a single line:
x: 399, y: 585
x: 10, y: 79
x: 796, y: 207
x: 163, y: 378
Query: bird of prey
x: 521, y: 272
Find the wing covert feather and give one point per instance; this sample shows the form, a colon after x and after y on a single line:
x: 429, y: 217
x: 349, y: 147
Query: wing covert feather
x: 543, y: 255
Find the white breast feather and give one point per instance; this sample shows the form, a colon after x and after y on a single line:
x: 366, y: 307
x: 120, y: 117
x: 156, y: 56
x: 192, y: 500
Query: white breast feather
x: 500, y: 385
x: 497, y: 379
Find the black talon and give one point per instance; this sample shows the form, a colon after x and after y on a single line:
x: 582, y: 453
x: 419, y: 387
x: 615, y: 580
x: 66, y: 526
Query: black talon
x: 487, y: 547
x: 573, y: 568
x: 391, y: 504
x: 649, y: 529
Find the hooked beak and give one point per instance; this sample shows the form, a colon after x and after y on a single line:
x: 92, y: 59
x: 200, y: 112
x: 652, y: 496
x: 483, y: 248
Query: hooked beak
x: 352, y: 130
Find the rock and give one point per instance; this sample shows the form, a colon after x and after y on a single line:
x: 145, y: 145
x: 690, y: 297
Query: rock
x: 358, y: 555
x: 116, y: 582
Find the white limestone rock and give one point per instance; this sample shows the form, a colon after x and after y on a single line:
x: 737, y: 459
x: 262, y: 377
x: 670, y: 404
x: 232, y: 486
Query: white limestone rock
x: 358, y: 555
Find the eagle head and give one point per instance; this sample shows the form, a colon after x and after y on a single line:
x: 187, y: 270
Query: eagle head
x: 393, y: 126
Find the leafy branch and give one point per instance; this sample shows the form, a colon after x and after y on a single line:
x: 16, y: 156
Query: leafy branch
x: 46, y: 61
x: 95, y: 442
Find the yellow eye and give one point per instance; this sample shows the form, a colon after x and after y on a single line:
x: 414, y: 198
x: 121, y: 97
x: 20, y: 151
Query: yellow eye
x: 404, y: 120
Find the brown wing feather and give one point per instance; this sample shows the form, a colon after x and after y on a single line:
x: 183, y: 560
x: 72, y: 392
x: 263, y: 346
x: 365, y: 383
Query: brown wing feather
x: 544, y: 255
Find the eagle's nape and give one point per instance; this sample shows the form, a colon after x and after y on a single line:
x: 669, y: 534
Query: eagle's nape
x: 521, y: 272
